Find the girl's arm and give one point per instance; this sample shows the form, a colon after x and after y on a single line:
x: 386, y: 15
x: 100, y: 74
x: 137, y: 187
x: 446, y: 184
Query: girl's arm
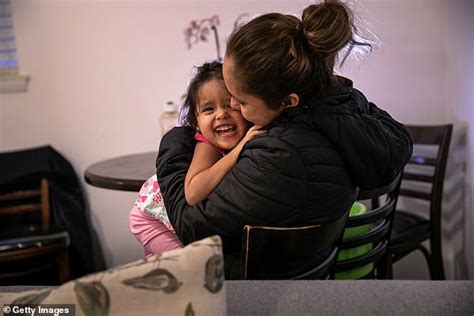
x: 200, y: 176
x: 208, y: 168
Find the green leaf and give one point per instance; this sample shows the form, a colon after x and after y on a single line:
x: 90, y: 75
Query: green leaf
x: 155, y: 280
x: 35, y: 298
x: 189, y: 310
x: 214, y: 277
x: 93, y: 298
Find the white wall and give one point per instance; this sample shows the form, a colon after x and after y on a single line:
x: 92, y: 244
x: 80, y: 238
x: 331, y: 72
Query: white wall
x: 101, y: 72
x: 458, y: 83
x: 408, y: 62
x: 100, y: 75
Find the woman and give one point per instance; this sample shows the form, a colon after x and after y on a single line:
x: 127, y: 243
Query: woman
x: 324, y: 138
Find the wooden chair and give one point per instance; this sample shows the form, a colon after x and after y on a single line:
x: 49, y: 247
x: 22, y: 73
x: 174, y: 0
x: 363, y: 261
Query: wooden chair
x: 29, y: 245
x: 410, y: 230
x: 284, y: 253
x: 363, y: 249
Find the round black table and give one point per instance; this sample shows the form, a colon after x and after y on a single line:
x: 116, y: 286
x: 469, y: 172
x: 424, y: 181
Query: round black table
x: 126, y: 173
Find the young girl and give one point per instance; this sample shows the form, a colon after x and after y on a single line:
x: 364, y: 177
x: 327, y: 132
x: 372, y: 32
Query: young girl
x: 221, y: 133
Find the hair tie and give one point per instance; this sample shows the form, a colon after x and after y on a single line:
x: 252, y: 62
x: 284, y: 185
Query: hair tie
x: 300, y: 27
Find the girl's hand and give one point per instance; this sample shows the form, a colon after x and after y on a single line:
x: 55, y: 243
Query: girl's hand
x: 253, y: 132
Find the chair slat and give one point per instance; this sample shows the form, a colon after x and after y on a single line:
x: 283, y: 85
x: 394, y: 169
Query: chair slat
x: 19, y: 195
x: 20, y: 209
x: 373, y: 215
x: 415, y: 194
x: 418, y: 177
x: 422, y: 160
x: 370, y: 257
x: 45, y: 204
x: 323, y: 268
x: 375, y: 234
x: 429, y: 134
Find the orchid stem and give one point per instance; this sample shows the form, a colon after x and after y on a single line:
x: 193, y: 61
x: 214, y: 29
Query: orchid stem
x: 216, y: 37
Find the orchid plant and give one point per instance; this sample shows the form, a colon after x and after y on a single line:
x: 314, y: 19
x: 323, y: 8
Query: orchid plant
x: 200, y: 30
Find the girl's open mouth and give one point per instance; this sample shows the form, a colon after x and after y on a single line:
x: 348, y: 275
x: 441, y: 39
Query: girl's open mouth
x: 226, y: 130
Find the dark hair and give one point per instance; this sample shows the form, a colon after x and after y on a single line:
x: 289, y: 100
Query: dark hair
x: 204, y: 73
x: 275, y: 54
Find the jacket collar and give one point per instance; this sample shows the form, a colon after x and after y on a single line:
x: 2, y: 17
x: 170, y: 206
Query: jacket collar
x: 332, y: 96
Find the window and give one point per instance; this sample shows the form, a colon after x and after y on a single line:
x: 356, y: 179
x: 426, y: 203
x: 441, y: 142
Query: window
x: 10, y: 78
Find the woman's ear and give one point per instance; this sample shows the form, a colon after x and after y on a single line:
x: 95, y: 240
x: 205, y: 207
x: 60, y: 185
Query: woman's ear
x: 291, y: 100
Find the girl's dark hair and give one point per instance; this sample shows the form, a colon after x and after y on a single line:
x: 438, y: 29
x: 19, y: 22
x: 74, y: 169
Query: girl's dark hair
x: 275, y: 54
x: 204, y: 73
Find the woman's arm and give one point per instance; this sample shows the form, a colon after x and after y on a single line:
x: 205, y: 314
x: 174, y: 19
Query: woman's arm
x: 208, y: 168
x: 241, y: 198
x: 374, y: 145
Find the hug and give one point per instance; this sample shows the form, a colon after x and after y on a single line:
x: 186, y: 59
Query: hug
x: 320, y: 138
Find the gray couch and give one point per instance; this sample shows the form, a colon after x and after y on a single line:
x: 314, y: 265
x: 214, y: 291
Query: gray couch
x: 362, y: 297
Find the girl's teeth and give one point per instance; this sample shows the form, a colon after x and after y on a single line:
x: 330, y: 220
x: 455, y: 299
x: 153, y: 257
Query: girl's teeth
x: 224, y: 128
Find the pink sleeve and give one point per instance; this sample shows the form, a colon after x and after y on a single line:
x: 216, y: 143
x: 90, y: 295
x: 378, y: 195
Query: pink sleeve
x: 200, y: 138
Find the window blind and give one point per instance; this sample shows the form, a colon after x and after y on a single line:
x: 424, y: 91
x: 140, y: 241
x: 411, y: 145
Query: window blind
x: 8, y: 55
x: 10, y: 79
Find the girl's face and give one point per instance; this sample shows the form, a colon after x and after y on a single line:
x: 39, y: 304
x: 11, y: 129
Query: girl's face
x: 216, y: 120
x: 253, y: 108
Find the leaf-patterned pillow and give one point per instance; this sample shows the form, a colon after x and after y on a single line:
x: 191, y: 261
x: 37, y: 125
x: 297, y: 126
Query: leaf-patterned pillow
x: 187, y: 281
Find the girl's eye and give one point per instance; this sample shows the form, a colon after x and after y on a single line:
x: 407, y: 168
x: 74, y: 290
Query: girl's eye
x: 207, y: 109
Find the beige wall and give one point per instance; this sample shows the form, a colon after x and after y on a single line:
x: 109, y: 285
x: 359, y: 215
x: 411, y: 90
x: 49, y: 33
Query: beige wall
x: 458, y: 83
x: 101, y: 72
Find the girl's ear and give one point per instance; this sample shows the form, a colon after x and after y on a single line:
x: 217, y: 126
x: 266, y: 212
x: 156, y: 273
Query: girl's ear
x: 291, y: 100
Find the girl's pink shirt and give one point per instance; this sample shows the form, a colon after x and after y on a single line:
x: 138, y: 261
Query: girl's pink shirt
x: 201, y: 138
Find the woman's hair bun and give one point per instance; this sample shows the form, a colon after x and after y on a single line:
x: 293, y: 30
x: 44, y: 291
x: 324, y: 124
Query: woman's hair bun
x: 328, y: 26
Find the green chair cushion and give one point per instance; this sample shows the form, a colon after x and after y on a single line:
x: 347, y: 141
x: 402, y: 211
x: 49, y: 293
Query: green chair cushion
x: 346, y: 254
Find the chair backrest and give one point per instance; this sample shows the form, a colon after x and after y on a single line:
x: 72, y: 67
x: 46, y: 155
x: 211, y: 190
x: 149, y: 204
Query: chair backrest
x: 18, y: 202
x: 283, y: 253
x: 429, y: 168
x: 32, y: 250
x: 367, y: 251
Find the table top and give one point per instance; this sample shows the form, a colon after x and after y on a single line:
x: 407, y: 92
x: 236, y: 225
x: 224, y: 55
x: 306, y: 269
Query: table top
x: 126, y: 173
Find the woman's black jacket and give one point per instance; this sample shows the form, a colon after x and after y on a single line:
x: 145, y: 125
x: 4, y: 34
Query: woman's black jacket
x: 305, y: 170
